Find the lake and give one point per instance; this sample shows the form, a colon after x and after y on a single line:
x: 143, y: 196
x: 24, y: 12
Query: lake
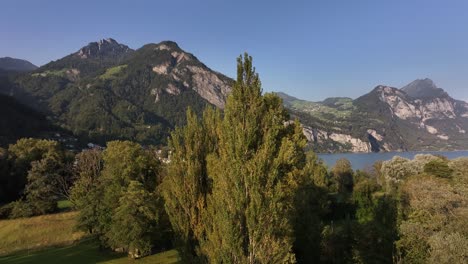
x: 363, y: 160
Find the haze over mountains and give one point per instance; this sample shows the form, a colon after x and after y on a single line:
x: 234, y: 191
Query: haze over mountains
x: 107, y: 90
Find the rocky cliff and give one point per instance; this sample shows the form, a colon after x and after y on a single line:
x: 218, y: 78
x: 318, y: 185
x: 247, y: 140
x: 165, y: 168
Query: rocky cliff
x: 107, y: 90
x: 419, y: 116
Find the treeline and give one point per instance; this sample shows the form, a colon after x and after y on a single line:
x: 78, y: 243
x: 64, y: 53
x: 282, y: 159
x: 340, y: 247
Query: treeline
x: 239, y: 188
x: 34, y: 174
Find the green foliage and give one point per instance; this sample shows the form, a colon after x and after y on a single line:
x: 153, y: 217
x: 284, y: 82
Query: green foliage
x: 232, y: 183
x: 342, y: 176
x: 32, y: 171
x: 111, y: 72
x: 263, y: 160
x: 64, y: 205
x: 186, y: 186
x: 364, y: 200
x: 312, y: 206
x: 396, y: 170
x: 336, y: 242
x: 40, y: 191
x: 376, y: 223
x: 117, y: 197
x: 27, y: 150
x: 20, y: 209
x: 86, y: 189
x: 448, y: 248
x: 431, y: 205
x: 438, y: 168
x: 135, y: 220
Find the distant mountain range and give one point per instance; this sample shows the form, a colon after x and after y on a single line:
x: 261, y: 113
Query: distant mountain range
x: 419, y: 116
x: 106, y: 91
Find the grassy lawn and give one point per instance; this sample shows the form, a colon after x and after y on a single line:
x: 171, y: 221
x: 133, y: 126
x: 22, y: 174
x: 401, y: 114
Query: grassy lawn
x: 38, y: 232
x: 64, y: 205
x: 85, y: 252
x: 53, y: 239
x: 110, y: 73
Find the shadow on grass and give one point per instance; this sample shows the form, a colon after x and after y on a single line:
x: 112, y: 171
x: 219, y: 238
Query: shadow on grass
x: 83, y: 252
x: 86, y: 251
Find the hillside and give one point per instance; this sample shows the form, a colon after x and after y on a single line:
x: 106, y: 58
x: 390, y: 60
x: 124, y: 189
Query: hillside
x: 420, y: 116
x: 54, y: 239
x: 18, y: 120
x: 108, y: 91
x: 16, y: 65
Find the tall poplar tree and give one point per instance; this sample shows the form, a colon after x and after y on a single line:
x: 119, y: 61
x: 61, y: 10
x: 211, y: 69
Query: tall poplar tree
x: 186, y: 186
x: 255, y: 172
x: 231, y: 185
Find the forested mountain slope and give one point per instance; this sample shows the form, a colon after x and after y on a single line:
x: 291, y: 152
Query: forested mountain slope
x: 108, y: 91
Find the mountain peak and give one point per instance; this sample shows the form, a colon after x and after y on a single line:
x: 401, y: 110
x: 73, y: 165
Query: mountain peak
x: 423, y: 89
x: 108, y: 40
x: 168, y: 45
x: 108, y: 47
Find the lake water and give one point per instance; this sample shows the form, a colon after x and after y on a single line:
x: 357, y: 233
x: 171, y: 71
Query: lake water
x: 363, y: 160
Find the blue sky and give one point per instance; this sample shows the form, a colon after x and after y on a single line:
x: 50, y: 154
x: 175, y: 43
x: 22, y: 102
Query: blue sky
x: 309, y: 49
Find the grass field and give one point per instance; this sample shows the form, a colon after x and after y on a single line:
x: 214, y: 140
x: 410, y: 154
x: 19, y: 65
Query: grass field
x: 64, y: 205
x: 85, y: 252
x: 53, y: 239
x: 111, y: 72
x: 34, y: 233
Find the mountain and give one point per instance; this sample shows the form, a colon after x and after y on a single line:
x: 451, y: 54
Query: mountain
x: 107, y: 91
x: 18, y: 120
x: 424, y: 89
x: 16, y: 65
x: 90, y: 59
x: 419, y: 116
x: 103, y: 49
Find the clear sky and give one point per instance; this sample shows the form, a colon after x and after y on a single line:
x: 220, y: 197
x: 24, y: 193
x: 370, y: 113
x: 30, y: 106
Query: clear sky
x: 309, y: 49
